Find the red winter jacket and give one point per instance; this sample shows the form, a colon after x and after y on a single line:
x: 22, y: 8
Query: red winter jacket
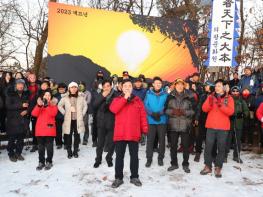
x: 130, y: 119
x: 259, y: 113
x: 46, y: 125
x: 219, y: 111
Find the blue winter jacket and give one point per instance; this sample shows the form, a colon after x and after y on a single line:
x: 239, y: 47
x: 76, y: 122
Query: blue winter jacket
x: 155, y: 103
x: 245, y: 82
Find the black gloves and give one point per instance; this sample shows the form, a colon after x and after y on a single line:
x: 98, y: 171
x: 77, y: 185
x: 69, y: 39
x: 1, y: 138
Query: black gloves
x: 156, y: 116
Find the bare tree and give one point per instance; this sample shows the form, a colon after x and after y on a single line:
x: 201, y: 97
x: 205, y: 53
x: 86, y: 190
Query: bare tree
x: 7, y: 46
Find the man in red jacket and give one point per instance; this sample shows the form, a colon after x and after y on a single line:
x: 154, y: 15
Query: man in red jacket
x: 219, y: 107
x: 130, y: 123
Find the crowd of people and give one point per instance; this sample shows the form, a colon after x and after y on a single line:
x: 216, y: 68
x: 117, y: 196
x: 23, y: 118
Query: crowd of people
x: 210, y: 117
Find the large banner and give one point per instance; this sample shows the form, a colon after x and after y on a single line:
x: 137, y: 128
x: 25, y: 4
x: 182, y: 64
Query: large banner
x: 82, y: 41
x: 223, y: 34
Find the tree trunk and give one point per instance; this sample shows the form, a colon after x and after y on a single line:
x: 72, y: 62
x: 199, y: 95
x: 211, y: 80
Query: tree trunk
x: 40, y: 48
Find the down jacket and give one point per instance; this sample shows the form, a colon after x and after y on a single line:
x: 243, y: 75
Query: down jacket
x: 183, y: 102
x: 46, y: 124
x: 130, y: 118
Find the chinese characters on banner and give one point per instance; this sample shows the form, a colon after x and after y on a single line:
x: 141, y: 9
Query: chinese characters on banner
x: 223, y: 35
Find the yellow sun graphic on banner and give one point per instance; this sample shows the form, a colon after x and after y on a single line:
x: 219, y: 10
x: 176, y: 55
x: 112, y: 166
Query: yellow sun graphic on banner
x: 113, y: 41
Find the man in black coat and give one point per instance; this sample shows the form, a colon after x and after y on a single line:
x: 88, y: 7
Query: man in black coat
x: 105, y: 122
x: 234, y: 81
x: 17, y: 119
x: 200, y: 119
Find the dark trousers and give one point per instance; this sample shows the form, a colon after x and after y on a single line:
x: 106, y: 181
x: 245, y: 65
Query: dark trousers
x: 169, y: 136
x: 105, y: 137
x: 120, y: 148
x: 2, y: 120
x: 45, y: 143
x: 156, y: 140
x: 68, y: 137
x: 59, y: 124
x: 220, y: 137
x: 200, y: 137
x: 249, y: 128
x: 234, y: 136
x: 174, y: 146
x: 33, y: 122
x: 15, y: 144
x: 160, y: 132
x: 94, y: 132
x: 86, y: 123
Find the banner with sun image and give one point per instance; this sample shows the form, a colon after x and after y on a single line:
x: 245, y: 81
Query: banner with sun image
x: 82, y: 41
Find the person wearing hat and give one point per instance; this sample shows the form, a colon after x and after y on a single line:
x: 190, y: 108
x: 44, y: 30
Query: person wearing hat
x: 218, y: 106
x: 237, y: 119
x: 61, y: 90
x: 45, y: 111
x: 97, y: 84
x: 43, y: 87
x: 249, y: 81
x: 17, y: 122
x: 74, y: 107
x: 179, y: 108
x: 130, y: 123
x: 138, y: 89
x: 144, y: 83
x: 125, y: 75
x: 200, y: 118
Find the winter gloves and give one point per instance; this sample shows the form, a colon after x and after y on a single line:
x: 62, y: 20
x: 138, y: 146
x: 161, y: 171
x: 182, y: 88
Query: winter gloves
x: 178, y: 112
x: 156, y: 116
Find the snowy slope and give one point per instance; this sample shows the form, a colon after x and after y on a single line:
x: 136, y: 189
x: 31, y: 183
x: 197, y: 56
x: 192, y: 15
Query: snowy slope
x: 77, y: 178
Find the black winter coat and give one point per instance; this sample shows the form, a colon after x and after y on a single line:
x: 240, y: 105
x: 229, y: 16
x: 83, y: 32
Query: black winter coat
x: 105, y: 118
x: 15, y: 123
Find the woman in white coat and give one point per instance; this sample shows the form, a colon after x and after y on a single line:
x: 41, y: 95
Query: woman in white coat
x: 74, y: 107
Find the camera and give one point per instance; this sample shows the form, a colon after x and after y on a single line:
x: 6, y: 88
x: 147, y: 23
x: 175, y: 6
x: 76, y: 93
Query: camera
x: 45, y: 102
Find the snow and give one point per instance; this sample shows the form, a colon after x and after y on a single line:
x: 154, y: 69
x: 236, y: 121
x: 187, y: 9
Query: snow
x: 78, y: 178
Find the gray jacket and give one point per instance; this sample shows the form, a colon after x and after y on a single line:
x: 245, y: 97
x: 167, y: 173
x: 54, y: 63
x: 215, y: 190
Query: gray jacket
x: 183, y: 102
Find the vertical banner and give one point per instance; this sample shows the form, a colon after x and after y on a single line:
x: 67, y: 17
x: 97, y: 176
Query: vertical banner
x: 223, y: 34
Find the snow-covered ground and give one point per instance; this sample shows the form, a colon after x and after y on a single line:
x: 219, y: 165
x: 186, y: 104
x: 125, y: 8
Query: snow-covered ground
x: 78, y: 178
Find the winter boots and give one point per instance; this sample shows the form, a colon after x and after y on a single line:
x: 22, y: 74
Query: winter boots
x: 117, y: 183
x: 218, y: 172
x: 206, y: 170
x: 197, y: 157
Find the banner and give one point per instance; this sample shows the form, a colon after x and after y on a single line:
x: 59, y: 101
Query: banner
x: 82, y: 41
x: 223, y: 34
